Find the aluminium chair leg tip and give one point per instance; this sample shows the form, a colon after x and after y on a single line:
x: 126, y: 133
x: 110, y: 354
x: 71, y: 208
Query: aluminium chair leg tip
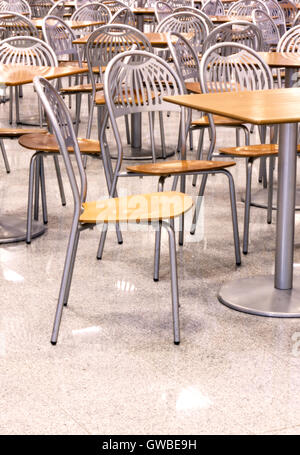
x: 53, y: 343
x: 28, y: 242
x: 245, y: 252
x: 120, y: 243
x: 156, y: 280
x: 269, y: 222
x: 239, y: 263
x: 177, y: 343
x: 64, y: 204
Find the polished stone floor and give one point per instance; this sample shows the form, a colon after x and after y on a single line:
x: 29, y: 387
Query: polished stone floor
x: 115, y: 369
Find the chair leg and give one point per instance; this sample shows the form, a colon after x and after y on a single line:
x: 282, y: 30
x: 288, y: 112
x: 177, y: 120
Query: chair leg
x: 174, y: 282
x: 102, y: 241
x: 11, y: 102
x: 4, y: 155
x: 17, y: 105
x: 59, y: 180
x: 66, y: 280
x: 127, y: 129
x: 236, y: 237
x: 181, y: 218
x: 199, y: 153
x: 37, y: 188
x: 43, y: 191
x: 247, y: 206
x: 152, y: 140
x: 90, y: 121
x: 162, y: 135
x: 32, y: 176
x: 270, y: 190
x: 191, y: 139
x: 77, y: 111
x: 161, y: 183
x: 237, y: 137
x: 74, y: 252
x: 198, y: 204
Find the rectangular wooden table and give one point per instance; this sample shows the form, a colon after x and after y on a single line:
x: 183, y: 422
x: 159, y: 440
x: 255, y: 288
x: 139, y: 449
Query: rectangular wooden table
x: 278, y: 295
x: 71, y: 24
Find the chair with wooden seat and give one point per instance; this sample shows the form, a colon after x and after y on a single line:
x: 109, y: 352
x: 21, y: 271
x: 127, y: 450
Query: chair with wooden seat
x: 268, y: 28
x: 123, y: 16
x: 93, y: 11
x: 150, y: 78
x: 191, y: 9
x: 246, y: 7
x: 151, y: 209
x: 46, y: 145
x: 16, y: 24
x: 60, y: 10
x: 188, y: 68
x: 290, y: 11
x: 245, y: 70
x: 16, y: 6
x: 13, y: 133
x: 40, y: 8
x: 277, y: 15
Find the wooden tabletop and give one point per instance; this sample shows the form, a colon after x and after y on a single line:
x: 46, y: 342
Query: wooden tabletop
x: 281, y: 59
x: 71, y: 24
x: 143, y: 11
x: 259, y: 107
x: 12, y: 75
x: 225, y: 19
x: 155, y: 39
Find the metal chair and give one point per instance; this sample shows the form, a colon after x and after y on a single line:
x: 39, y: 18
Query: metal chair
x: 60, y: 10
x: 245, y: 7
x: 268, y: 28
x: 290, y: 11
x: 153, y: 209
x: 103, y: 44
x: 137, y: 82
x: 16, y: 6
x: 189, y: 23
x: 40, y: 8
x: 190, y: 9
x: 94, y: 11
x: 213, y: 8
x: 15, y: 24
x: 162, y: 10
x: 296, y: 21
x: 290, y: 41
x: 243, y: 32
x: 114, y: 5
x: 277, y: 15
x: 123, y: 16
x: 243, y: 69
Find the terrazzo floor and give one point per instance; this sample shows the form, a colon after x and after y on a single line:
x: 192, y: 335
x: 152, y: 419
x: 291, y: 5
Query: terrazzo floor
x: 115, y: 369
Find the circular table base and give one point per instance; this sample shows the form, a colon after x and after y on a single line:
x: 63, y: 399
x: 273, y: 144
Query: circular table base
x: 257, y: 295
x: 260, y: 198
x: 13, y: 229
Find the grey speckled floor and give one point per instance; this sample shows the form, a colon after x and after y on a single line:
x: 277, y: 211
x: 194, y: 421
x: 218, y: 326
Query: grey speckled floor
x: 115, y: 369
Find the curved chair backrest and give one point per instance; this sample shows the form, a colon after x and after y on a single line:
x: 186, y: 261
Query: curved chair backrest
x: 244, y: 69
x: 123, y: 16
x: 60, y: 10
x: 245, y: 7
x: 190, y: 9
x: 80, y: 3
x: 242, y: 32
x: 290, y: 41
x: 213, y: 8
x: 27, y: 50
x: 290, y: 11
x: 277, y: 14
x: 40, y: 8
x: 61, y: 125
x: 184, y: 57
x: 16, y: 6
x: 15, y: 24
x: 162, y: 10
x: 190, y: 23
x: 267, y: 27
x: 181, y: 3
x: 94, y: 11
x: 136, y: 82
x: 108, y: 41
x: 60, y: 37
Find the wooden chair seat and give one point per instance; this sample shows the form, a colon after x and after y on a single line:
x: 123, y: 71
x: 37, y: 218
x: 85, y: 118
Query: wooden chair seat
x: 218, y: 119
x: 80, y: 88
x: 138, y: 207
x: 100, y: 99
x: 11, y: 133
x: 179, y: 167
x: 194, y: 87
x: 47, y: 143
x: 251, y: 151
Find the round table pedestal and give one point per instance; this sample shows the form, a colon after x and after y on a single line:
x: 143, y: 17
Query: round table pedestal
x: 13, y: 229
x: 258, y: 296
x: 260, y: 198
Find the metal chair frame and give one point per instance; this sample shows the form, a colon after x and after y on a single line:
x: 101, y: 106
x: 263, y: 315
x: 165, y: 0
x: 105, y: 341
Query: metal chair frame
x: 162, y: 10
x: 268, y: 28
x: 61, y: 123
x: 16, y: 6
x: 213, y: 8
x: 40, y: 8
x: 200, y: 13
x: 245, y: 7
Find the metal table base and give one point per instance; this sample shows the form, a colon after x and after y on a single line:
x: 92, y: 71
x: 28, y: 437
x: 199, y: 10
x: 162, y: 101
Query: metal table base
x: 257, y: 295
x: 259, y: 199
x: 13, y: 229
